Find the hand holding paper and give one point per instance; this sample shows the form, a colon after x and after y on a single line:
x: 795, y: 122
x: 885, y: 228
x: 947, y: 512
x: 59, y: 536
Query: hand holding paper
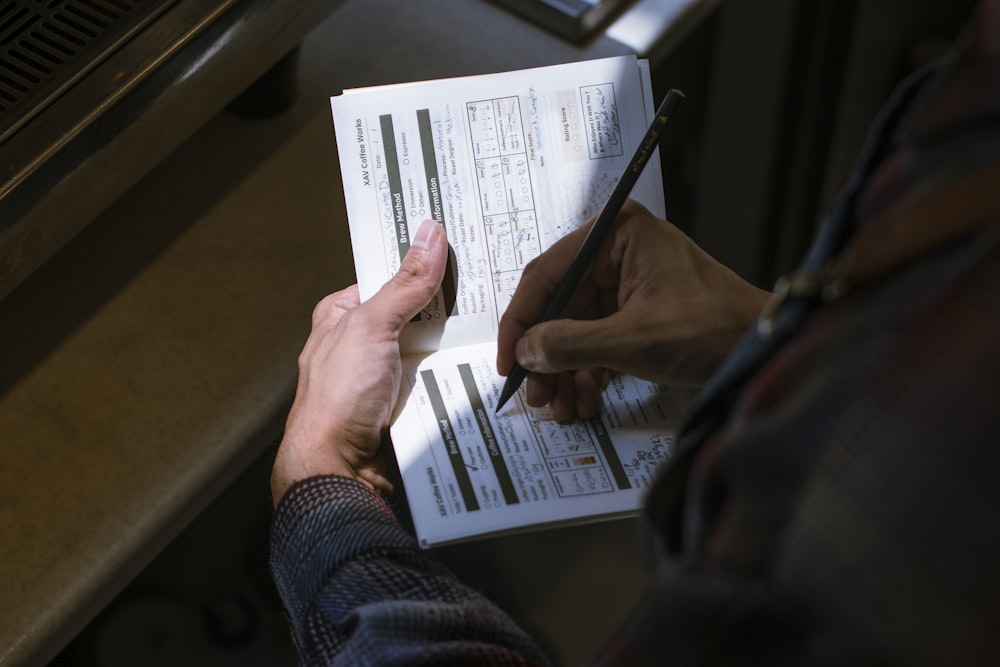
x: 349, y: 373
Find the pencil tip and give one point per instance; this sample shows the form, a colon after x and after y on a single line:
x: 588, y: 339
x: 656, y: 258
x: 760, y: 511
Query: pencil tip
x: 514, y: 380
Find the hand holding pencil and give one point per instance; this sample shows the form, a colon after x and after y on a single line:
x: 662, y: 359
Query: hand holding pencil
x: 599, y: 229
x: 649, y: 303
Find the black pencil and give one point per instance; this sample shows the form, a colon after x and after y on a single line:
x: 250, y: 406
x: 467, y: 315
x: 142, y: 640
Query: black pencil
x: 610, y: 211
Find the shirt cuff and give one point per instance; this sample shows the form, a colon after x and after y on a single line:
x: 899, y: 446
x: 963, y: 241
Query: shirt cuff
x: 322, y: 523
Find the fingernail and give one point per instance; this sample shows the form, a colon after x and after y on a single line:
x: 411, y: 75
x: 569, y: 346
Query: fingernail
x: 524, y: 355
x: 426, y: 234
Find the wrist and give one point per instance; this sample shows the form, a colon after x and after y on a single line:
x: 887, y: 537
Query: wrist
x: 290, y: 468
x: 303, y: 455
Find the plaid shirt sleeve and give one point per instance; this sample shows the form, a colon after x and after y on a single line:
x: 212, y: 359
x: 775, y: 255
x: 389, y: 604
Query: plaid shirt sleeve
x: 359, y: 591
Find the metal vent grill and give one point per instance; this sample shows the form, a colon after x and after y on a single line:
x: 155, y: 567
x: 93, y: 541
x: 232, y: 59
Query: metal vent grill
x: 47, y: 45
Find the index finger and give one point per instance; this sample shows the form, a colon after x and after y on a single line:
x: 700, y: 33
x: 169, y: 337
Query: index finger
x: 540, y: 278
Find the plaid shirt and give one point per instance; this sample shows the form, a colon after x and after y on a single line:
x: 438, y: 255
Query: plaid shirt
x: 833, y: 494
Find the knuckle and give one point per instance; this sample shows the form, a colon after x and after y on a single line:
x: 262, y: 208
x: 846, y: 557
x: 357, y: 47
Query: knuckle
x: 411, y: 270
x: 414, y: 274
x: 631, y: 207
x: 531, y: 270
x: 556, y: 344
x: 322, y: 309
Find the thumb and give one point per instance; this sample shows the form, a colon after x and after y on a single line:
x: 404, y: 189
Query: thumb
x: 419, y: 275
x: 568, y: 345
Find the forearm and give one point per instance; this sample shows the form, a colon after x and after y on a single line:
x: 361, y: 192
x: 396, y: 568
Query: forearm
x: 358, y: 589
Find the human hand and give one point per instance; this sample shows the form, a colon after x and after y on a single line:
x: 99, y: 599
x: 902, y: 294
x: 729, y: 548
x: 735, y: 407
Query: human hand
x: 350, y: 371
x: 653, y: 305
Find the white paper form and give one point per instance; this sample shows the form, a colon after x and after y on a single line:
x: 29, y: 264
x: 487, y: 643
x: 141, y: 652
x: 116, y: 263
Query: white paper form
x: 468, y: 471
x: 508, y: 163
